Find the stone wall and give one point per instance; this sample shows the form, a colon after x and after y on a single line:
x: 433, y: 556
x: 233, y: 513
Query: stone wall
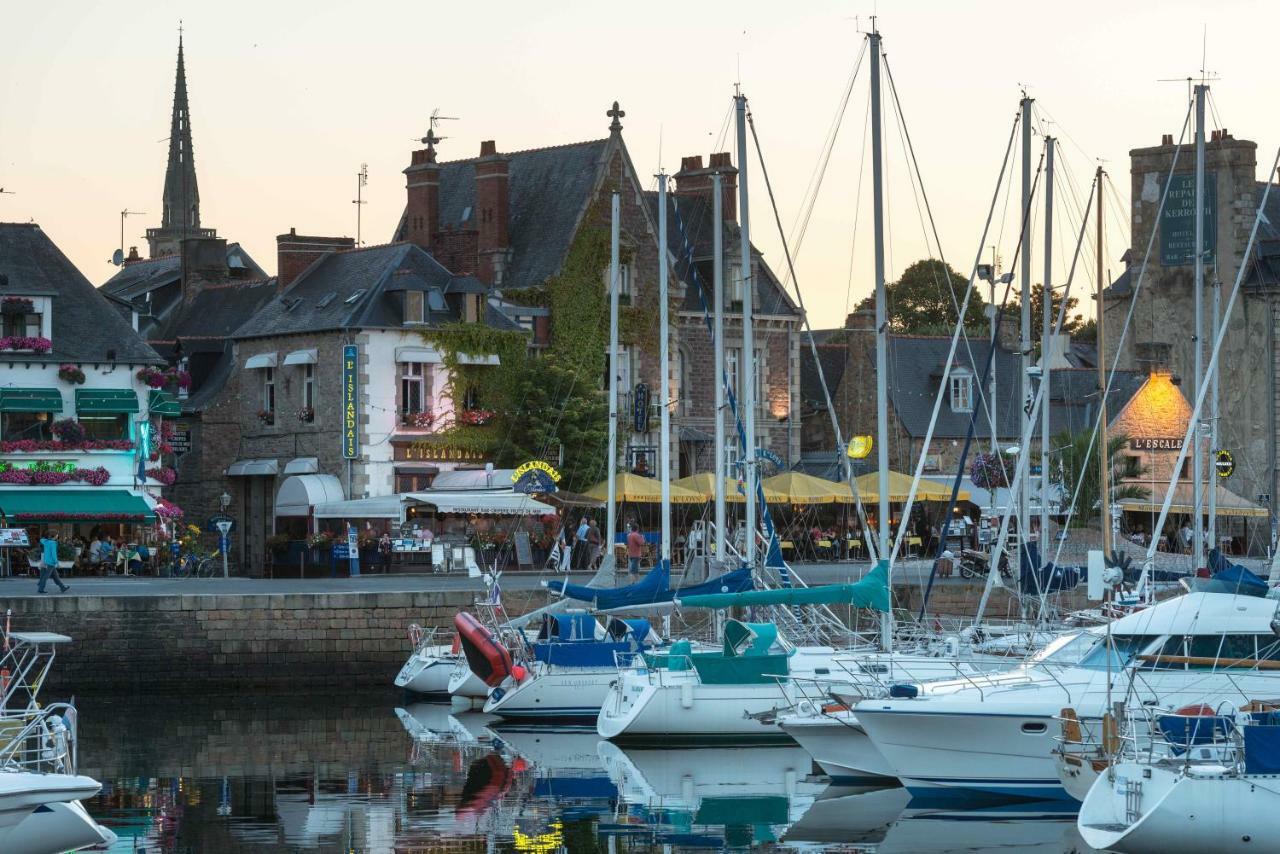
x: 231, y: 642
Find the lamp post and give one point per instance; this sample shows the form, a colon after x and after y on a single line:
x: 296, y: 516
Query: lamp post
x: 224, y: 534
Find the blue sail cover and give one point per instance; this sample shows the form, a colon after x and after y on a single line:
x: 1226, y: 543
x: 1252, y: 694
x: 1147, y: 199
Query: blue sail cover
x: 1230, y: 578
x: 653, y: 588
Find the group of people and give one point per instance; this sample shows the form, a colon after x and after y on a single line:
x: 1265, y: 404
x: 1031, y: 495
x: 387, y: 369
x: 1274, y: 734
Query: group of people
x: 99, y: 554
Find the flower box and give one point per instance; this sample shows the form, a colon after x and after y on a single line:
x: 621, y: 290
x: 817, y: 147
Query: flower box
x: 306, y: 414
x: 420, y: 420
x: 266, y: 417
x: 163, y: 474
x: 26, y: 343
x: 475, y: 417
x: 31, y: 446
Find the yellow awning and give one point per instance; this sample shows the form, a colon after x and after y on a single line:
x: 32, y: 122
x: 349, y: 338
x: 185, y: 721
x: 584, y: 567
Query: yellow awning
x: 733, y: 492
x: 900, y: 488
x: 644, y: 490
x: 1229, y: 504
x: 793, y: 487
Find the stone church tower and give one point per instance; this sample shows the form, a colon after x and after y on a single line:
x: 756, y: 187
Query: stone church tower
x: 1162, y: 330
x: 181, y: 205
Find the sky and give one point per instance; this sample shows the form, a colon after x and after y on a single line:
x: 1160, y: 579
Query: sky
x: 289, y: 99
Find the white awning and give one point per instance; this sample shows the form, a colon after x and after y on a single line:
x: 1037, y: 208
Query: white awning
x: 469, y: 359
x: 418, y: 354
x: 382, y: 507
x: 302, y: 465
x: 505, y: 503
x: 262, y: 360
x: 301, y: 357
x: 302, y: 492
x: 249, y: 468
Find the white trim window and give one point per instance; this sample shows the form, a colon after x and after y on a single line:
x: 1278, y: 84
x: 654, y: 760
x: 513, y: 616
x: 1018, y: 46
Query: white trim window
x: 309, y: 386
x: 414, y: 306
x: 413, y: 388
x: 961, y: 391
x: 269, y: 390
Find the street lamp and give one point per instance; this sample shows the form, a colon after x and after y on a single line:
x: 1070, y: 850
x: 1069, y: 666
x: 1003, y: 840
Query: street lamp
x: 225, y: 500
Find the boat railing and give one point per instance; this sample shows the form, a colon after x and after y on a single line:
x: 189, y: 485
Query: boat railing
x: 421, y: 638
x: 45, y: 743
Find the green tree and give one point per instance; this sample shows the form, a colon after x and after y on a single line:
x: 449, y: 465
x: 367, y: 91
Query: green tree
x: 1077, y: 472
x: 1072, y: 320
x: 925, y: 298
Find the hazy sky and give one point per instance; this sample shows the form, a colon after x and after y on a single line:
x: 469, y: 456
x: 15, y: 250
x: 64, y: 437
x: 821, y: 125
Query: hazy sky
x: 288, y: 99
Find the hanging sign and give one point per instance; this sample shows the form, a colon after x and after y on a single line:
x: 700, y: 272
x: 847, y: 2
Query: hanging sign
x: 859, y: 447
x: 535, y: 476
x: 1224, y: 463
x: 640, y: 408
x: 180, y: 440
x: 1178, y: 221
x: 1149, y: 443
x: 350, y: 402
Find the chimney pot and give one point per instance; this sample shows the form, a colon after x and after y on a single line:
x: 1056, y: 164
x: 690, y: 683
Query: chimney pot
x: 689, y: 164
x: 488, y: 148
x: 1166, y: 139
x: 295, y: 253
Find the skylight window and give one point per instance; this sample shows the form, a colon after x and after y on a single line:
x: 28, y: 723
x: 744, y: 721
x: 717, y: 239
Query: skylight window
x: 326, y: 300
x: 355, y: 296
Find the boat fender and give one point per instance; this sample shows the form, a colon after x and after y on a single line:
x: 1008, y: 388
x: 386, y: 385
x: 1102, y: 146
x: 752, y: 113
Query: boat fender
x: 952, y: 646
x: 806, y: 708
x: 904, y: 692
x: 686, y: 695
x: 519, y: 673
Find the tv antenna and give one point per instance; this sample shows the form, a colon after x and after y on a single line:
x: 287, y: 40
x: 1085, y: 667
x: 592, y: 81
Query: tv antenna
x: 362, y: 178
x: 117, y: 257
x: 5, y: 192
x: 431, y: 139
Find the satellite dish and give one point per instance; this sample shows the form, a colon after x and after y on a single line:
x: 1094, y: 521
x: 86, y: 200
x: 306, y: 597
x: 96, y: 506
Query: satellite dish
x: 117, y: 257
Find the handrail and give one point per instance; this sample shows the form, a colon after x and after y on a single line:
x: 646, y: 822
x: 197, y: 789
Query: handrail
x: 63, y: 735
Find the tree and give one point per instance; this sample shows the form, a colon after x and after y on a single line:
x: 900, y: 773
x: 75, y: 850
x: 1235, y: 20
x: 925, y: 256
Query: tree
x: 1077, y: 472
x: 1072, y: 321
x: 925, y: 298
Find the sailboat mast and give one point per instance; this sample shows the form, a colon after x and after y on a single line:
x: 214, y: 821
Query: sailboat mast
x: 1198, y: 464
x: 1024, y: 496
x: 1046, y: 333
x: 717, y: 250
x: 611, y: 514
x: 664, y: 357
x: 747, y: 368
x: 882, y: 324
x: 1104, y: 464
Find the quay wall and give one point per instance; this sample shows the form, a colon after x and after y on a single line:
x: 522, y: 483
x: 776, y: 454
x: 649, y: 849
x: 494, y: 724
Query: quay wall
x: 291, y: 641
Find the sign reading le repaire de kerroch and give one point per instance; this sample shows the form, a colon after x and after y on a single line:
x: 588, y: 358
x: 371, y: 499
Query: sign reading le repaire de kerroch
x: 350, y: 402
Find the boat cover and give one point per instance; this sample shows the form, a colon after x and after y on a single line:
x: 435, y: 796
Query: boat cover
x: 871, y: 591
x: 1262, y: 749
x: 1183, y: 731
x: 653, y: 588
x: 748, y: 638
x: 569, y: 627
x: 1229, y: 577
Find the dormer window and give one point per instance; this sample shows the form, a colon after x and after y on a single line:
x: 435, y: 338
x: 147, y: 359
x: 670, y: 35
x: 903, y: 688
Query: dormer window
x: 414, y: 306
x: 24, y: 322
x: 961, y: 391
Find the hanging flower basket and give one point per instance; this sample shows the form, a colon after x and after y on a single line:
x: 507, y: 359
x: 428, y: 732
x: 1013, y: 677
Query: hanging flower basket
x: 17, y: 305
x: 30, y: 343
x: 987, y: 471
x: 71, y: 374
x: 70, y: 432
x: 163, y: 474
x: 151, y: 377
x: 475, y: 417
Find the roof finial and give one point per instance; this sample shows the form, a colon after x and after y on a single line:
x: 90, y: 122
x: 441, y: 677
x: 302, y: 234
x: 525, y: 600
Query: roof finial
x: 616, y: 113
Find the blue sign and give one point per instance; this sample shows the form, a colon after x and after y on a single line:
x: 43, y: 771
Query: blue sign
x: 769, y: 456
x: 535, y: 478
x: 1178, y: 221
x: 350, y: 402
x: 341, y: 551
x: 640, y: 408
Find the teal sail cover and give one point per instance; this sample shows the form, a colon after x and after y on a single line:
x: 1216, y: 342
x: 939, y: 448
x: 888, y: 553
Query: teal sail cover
x: 872, y: 591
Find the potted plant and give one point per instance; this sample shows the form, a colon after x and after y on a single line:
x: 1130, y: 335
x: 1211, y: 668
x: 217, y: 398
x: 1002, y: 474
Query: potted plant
x: 307, y: 414
x: 70, y: 432
x: 266, y: 416
x: 71, y: 374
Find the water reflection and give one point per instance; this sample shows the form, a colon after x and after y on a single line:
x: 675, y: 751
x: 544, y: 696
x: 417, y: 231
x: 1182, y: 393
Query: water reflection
x: 328, y: 773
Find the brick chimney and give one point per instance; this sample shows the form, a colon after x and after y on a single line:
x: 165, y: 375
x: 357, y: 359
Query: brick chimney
x: 694, y: 179
x: 862, y: 320
x: 493, y: 212
x: 204, y: 262
x: 422, y: 208
x: 296, y: 252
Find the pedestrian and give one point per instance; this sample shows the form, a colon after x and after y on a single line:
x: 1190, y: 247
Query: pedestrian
x: 566, y: 553
x: 384, y: 549
x: 1187, y: 537
x: 581, y: 549
x: 49, y: 562
x: 595, y: 541
x: 635, y: 550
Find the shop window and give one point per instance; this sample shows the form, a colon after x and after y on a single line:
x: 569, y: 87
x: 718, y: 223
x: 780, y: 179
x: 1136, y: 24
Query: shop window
x: 413, y: 482
x: 26, y: 425
x: 107, y: 426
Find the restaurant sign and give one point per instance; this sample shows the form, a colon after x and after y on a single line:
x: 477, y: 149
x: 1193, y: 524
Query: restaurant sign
x: 350, y: 402
x: 1178, y: 221
x: 535, y: 477
x: 433, y: 452
x: 1148, y: 443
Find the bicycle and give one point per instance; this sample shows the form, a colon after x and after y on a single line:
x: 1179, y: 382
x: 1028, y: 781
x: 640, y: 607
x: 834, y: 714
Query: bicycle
x: 193, y: 565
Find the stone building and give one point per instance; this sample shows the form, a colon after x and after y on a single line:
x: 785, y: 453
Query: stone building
x: 1162, y: 331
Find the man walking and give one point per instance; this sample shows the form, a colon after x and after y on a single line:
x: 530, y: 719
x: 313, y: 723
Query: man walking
x: 581, y: 549
x: 49, y: 563
x: 635, y: 550
x: 594, y: 538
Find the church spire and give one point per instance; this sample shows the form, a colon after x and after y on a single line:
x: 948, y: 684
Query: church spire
x: 181, y: 203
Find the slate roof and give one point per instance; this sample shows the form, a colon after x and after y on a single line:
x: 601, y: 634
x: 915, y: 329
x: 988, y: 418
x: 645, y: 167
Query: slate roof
x: 359, y: 288
x: 833, y: 358
x: 549, y: 189
x: 694, y: 226
x: 85, y: 325
x: 217, y: 311
x: 135, y: 279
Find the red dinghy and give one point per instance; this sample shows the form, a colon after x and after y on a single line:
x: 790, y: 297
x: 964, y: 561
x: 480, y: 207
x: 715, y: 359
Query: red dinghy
x: 488, y: 659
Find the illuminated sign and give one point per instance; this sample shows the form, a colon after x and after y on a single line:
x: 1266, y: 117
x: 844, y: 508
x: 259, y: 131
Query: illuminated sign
x: 350, y: 402
x: 1148, y: 443
x: 535, y: 476
x: 859, y: 447
x: 1224, y: 463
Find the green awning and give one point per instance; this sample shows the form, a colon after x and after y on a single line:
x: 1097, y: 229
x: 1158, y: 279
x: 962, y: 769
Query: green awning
x: 872, y: 591
x: 163, y: 403
x: 53, y: 504
x: 106, y: 400
x: 30, y: 400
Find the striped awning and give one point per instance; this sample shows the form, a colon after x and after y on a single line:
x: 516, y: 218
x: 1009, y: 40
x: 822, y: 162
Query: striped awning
x: 30, y: 400
x: 106, y: 401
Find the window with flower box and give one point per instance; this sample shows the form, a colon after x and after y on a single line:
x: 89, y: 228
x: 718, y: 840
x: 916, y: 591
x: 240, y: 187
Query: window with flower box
x: 415, y: 394
x: 26, y: 425
x: 23, y: 325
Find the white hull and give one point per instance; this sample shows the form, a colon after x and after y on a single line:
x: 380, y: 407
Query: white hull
x: 554, y: 693
x: 55, y: 828
x: 663, y: 707
x: 1173, y: 813
x: 841, y: 747
x: 428, y: 670
x: 464, y: 683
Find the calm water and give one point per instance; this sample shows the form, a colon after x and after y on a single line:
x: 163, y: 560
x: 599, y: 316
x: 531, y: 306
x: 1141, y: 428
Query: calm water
x: 325, y: 773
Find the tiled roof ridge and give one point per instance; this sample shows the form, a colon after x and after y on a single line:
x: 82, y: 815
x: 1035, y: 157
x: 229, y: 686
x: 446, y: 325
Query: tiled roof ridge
x: 528, y: 150
x: 247, y: 283
x: 352, y: 250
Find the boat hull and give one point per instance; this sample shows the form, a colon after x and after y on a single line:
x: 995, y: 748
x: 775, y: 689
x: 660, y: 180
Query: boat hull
x: 840, y: 746
x: 53, y: 828
x: 559, y: 694
x: 670, y: 710
x: 428, y: 671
